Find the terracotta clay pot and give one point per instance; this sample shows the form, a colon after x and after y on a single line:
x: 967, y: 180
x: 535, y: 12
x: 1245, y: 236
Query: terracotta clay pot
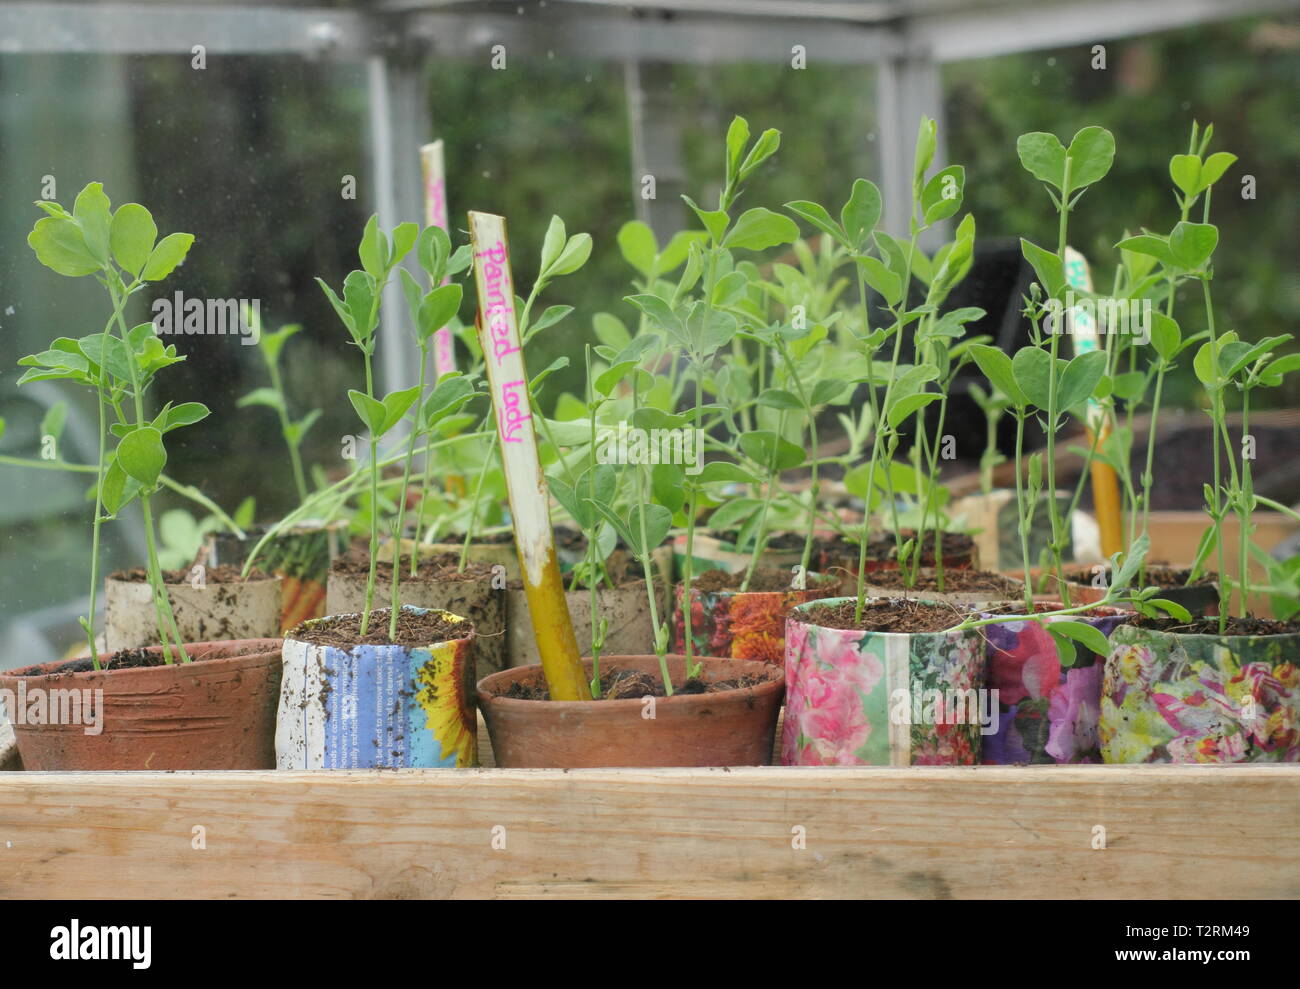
x: 217, y: 712
x: 476, y: 598
x: 378, y: 706
x: 1047, y: 710
x: 209, y: 612
x: 726, y: 728
x: 1175, y: 697
x: 744, y: 624
x: 626, y: 609
x: 859, y: 698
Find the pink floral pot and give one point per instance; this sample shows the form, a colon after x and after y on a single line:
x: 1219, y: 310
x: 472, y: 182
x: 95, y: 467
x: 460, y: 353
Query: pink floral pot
x: 1171, y: 697
x: 1047, y: 710
x: 858, y: 698
x: 743, y: 624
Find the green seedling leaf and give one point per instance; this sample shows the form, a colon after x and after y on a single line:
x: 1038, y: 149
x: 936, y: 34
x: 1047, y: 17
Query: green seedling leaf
x: 860, y: 214
x: 185, y: 414
x: 610, y: 330
x: 373, y: 250
x: 404, y: 238
x: 1091, y: 153
x: 54, y: 419
x: 1033, y: 369
x: 1191, y: 244
x: 61, y: 247
x: 759, y: 228
x: 668, y: 483
x: 142, y: 455
x: 262, y: 396
x: 395, y: 406
x: 1172, y: 608
x: 771, y: 451
x: 93, y: 214
x: 942, y: 195
x: 818, y: 216
x: 827, y: 390
x: 734, y: 513
x: 997, y: 367
x: 550, y: 317
x: 1043, y: 157
x: 907, y: 406
x: 1185, y: 170
x: 737, y: 139
x: 1150, y: 245
x: 1086, y: 635
x: 778, y: 398
x: 370, y: 410
x: 1166, y: 337
x: 165, y: 258
x: 132, y: 234
x: 767, y: 144
x: 438, y: 309
x: 1080, y: 378
x: 1047, y: 266
x: 883, y: 279
x: 574, y: 256
x: 1065, y: 651
x: 118, y: 489
x: 432, y: 249
x: 715, y: 221
x: 721, y: 472
x: 636, y: 242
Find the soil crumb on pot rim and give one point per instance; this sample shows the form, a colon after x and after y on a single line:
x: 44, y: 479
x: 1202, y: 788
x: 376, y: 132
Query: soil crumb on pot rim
x: 416, y: 627
x: 955, y: 581
x: 901, y: 615
x: 1210, y: 626
x: 616, y: 684
x: 223, y: 574
x: 147, y: 657
x: 443, y: 567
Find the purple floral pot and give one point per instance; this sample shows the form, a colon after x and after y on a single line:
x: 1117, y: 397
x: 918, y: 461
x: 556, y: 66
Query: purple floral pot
x: 1047, y: 711
x: 857, y: 698
x: 1173, y: 697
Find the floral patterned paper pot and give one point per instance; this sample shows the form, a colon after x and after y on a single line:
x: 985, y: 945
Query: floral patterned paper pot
x: 744, y: 624
x: 857, y: 698
x: 1170, y: 697
x: 378, y: 706
x: 1047, y: 711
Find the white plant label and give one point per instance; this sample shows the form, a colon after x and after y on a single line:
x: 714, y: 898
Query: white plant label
x: 435, y: 215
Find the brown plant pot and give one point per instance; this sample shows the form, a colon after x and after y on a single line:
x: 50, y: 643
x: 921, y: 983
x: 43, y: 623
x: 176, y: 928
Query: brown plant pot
x: 476, y: 599
x: 626, y: 609
x: 727, y: 728
x: 211, y: 612
x: 217, y: 712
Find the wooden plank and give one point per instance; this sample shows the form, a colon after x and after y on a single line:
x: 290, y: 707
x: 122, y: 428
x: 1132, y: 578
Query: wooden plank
x: 1171, y: 831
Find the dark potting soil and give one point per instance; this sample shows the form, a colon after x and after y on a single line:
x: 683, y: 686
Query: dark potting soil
x: 224, y: 574
x: 616, y: 685
x: 138, y: 658
x: 440, y: 568
x: 1210, y: 626
x: 1157, y: 575
x: 882, y: 545
x: 765, y: 579
x: 893, y: 615
x: 954, y: 580
x: 344, y: 631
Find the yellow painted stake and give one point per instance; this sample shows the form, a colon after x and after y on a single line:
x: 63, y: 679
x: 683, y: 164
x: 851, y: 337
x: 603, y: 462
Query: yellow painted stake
x: 1105, y: 482
x: 498, y: 335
